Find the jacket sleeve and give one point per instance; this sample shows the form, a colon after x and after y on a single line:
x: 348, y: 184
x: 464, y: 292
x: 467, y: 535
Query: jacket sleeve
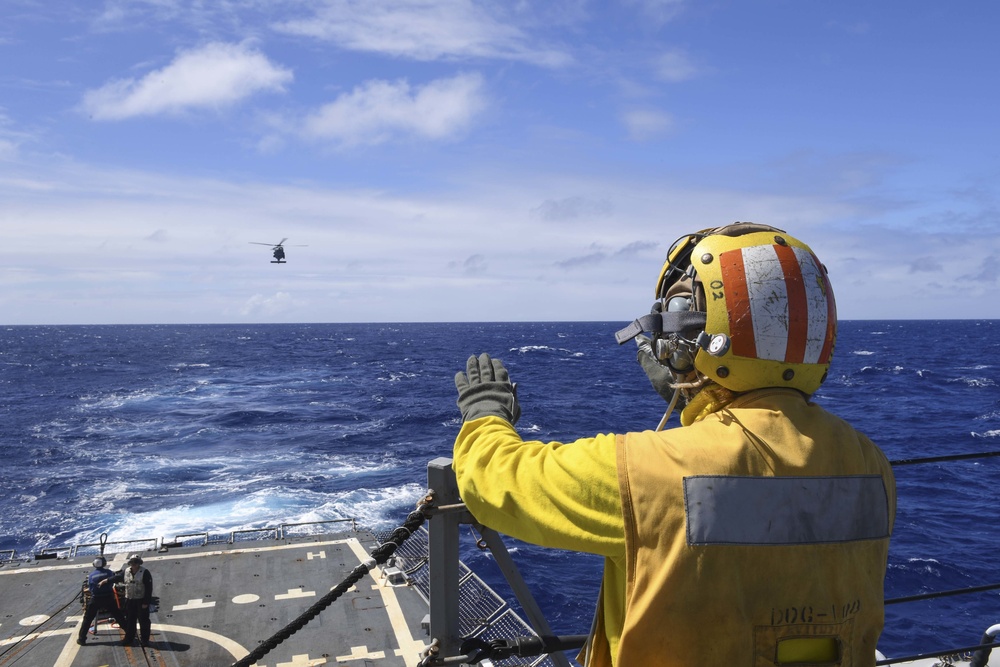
x: 147, y: 584
x: 551, y: 494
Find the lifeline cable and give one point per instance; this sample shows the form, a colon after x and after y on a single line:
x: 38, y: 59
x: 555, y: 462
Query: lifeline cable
x: 946, y: 457
x: 935, y: 654
x: 379, y: 555
x: 476, y: 650
x: 415, y: 519
x: 941, y: 594
x: 36, y: 631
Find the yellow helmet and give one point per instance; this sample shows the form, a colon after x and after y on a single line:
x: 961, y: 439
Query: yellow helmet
x: 745, y: 305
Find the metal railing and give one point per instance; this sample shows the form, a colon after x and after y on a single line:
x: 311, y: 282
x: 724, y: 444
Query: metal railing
x: 148, y: 544
x: 447, y: 586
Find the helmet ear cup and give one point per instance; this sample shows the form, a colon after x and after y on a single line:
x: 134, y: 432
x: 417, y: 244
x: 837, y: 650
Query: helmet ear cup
x: 675, y: 348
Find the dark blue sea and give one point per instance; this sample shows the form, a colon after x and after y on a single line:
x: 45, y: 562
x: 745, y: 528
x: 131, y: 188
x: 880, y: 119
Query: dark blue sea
x: 154, y: 431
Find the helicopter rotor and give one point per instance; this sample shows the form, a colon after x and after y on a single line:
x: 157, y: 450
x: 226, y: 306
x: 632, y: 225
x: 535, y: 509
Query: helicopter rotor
x: 278, y: 245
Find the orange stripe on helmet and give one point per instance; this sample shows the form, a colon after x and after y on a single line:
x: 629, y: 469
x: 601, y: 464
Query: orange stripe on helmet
x: 798, y: 309
x: 734, y: 277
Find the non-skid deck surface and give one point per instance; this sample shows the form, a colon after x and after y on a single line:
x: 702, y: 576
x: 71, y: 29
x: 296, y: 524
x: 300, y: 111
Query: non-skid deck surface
x: 216, y: 603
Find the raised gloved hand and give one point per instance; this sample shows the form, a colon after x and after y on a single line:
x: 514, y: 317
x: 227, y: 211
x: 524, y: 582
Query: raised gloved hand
x: 659, y: 375
x: 485, y: 389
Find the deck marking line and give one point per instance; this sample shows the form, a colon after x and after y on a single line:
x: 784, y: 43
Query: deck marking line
x: 194, y: 604
x: 36, y: 635
x: 68, y: 654
x: 71, y: 648
x: 410, y: 647
x: 302, y: 660
x: 234, y: 648
x: 361, y: 653
x: 295, y: 593
x: 311, y: 555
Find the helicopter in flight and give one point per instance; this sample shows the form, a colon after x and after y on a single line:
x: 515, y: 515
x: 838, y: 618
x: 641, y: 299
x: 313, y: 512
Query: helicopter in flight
x: 279, y: 250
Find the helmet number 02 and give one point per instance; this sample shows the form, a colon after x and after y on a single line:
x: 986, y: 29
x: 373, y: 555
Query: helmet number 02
x: 717, y: 292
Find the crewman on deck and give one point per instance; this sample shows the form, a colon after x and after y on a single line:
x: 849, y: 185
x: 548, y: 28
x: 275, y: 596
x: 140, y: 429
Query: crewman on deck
x: 755, y: 533
x: 101, y: 598
x: 138, y: 596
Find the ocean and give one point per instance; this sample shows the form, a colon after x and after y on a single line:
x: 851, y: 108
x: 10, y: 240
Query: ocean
x: 155, y: 431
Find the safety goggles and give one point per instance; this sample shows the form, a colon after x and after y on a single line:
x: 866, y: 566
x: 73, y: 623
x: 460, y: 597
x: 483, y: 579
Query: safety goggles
x: 674, y: 269
x: 678, y: 259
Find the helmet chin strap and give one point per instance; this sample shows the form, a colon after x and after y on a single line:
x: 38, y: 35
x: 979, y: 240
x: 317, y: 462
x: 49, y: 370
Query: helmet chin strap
x: 658, y: 322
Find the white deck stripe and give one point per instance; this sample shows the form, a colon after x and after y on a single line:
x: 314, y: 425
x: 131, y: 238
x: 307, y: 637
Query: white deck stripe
x: 68, y: 654
x: 38, y: 635
x: 71, y: 649
x: 410, y: 647
x: 234, y: 648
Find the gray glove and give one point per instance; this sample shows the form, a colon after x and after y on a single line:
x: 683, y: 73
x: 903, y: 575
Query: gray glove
x: 485, y: 389
x: 659, y: 375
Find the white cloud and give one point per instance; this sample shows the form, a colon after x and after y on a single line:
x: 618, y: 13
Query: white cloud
x: 986, y: 272
x: 421, y: 30
x: 647, y: 124
x: 472, y: 266
x: 598, y: 255
x: 925, y: 265
x: 572, y: 208
x: 213, y: 76
x: 268, y: 306
x: 98, y: 245
x: 126, y: 14
x: 10, y: 140
x: 378, y: 110
x: 658, y: 11
x: 675, y: 66
x: 8, y: 149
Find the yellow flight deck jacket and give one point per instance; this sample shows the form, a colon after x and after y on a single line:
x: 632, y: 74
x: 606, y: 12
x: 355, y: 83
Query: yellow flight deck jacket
x: 755, y: 536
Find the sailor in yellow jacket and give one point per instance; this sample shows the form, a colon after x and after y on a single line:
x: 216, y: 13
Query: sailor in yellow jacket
x: 754, y: 534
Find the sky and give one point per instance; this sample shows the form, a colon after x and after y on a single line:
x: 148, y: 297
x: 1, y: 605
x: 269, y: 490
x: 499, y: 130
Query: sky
x: 461, y: 160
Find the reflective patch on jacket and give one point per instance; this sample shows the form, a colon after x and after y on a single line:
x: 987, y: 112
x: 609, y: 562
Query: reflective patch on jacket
x: 785, y: 510
x: 135, y: 588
